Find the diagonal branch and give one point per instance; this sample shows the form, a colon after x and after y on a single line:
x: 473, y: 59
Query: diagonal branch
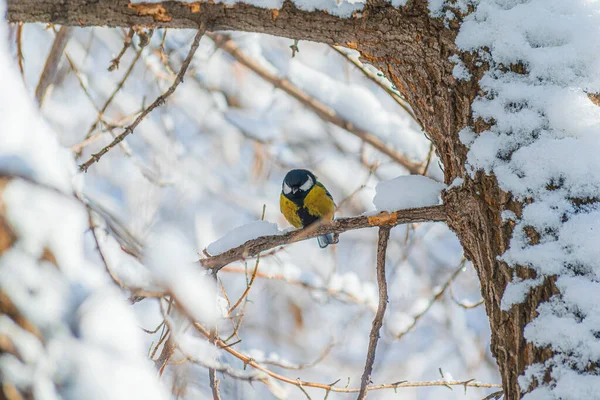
x: 51, y: 66
x: 160, y: 100
x: 384, y: 236
x: 322, y: 110
x: 252, y: 247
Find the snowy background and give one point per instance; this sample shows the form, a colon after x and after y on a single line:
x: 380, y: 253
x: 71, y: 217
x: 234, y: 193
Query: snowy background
x: 201, y: 165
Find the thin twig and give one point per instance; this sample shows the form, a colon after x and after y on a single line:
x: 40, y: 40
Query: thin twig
x: 19, y: 43
x: 433, y: 300
x: 494, y: 396
x: 212, y: 372
x: 384, y: 235
x: 160, y: 100
x: 252, y: 247
x: 322, y: 110
x: 51, y: 66
x: 119, y: 86
x: 321, y: 357
x: 340, y: 295
x: 249, y: 284
x: 114, y: 63
x: 378, y: 80
x: 464, y: 304
x: 429, y: 157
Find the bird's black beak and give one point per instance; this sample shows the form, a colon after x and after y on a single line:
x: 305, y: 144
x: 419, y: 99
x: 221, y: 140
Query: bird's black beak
x: 294, y: 190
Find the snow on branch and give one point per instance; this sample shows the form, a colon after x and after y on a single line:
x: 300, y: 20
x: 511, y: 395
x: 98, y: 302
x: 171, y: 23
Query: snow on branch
x: 253, y: 247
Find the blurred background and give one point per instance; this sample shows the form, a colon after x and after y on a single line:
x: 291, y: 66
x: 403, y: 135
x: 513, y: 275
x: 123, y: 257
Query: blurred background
x: 214, y: 156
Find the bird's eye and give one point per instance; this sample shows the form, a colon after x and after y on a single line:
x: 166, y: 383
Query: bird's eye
x: 307, y: 185
x: 286, y: 188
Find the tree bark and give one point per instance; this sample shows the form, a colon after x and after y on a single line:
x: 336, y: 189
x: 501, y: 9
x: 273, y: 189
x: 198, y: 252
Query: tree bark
x: 412, y: 49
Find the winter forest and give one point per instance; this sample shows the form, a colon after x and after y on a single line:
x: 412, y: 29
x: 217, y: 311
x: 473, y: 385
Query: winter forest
x: 144, y: 158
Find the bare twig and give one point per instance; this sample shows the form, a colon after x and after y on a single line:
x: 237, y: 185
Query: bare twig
x: 119, y: 86
x: 323, y: 111
x: 19, y: 42
x: 249, y: 284
x: 434, y: 299
x: 49, y: 71
x: 321, y: 357
x: 494, y: 396
x: 212, y: 372
x: 429, y: 157
x: 339, y: 294
x: 253, y: 247
x: 464, y: 304
x: 160, y: 100
x: 114, y: 63
x: 378, y: 80
x: 384, y: 235
x: 214, y: 383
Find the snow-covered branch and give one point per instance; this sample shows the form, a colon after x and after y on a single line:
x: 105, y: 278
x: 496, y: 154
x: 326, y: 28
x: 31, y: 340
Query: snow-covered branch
x: 255, y: 246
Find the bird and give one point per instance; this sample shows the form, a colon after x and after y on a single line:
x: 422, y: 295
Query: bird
x: 304, y: 200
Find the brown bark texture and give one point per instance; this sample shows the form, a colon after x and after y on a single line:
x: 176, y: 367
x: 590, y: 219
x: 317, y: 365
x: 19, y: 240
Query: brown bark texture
x: 412, y: 49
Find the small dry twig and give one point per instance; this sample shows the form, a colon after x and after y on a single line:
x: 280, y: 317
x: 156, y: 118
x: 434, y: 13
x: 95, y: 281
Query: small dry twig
x: 19, y: 42
x: 212, y: 372
x: 373, y: 77
x: 433, y: 300
x: 113, y: 94
x: 384, y: 235
x: 338, y: 294
x: 51, y: 66
x: 160, y: 100
x: 114, y: 63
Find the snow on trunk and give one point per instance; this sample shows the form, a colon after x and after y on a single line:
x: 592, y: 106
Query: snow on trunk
x: 543, y: 148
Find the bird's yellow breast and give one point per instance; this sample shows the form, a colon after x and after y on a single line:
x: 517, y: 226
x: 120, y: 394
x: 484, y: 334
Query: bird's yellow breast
x: 289, y: 209
x: 316, y: 205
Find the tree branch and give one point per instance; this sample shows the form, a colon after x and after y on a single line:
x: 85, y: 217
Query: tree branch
x: 252, y: 247
x: 322, y: 110
x: 384, y: 236
x: 51, y: 66
x: 289, y: 21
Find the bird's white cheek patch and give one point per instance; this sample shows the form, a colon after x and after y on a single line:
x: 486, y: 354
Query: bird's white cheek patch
x: 307, y: 185
x: 286, y: 188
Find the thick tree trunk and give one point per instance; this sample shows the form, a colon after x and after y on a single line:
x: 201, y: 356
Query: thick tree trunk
x: 412, y: 49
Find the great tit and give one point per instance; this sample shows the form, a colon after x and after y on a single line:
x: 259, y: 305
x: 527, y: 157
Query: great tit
x: 304, y: 200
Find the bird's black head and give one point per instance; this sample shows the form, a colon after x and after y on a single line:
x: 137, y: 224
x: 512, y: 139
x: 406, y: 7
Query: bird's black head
x: 297, y: 183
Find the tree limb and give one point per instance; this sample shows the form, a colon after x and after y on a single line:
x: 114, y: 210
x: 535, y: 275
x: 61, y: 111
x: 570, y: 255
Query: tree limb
x: 253, y: 247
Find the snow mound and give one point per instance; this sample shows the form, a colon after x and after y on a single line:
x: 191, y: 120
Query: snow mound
x: 407, y: 192
x: 241, y: 235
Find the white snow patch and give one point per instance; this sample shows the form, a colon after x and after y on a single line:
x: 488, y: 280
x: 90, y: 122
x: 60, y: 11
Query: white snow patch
x: 407, y: 192
x: 343, y: 8
x: 460, y: 71
x: 170, y: 258
x: 241, y: 235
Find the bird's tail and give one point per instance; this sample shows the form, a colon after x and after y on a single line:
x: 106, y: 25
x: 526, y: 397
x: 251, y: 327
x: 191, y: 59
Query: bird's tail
x: 326, y: 240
